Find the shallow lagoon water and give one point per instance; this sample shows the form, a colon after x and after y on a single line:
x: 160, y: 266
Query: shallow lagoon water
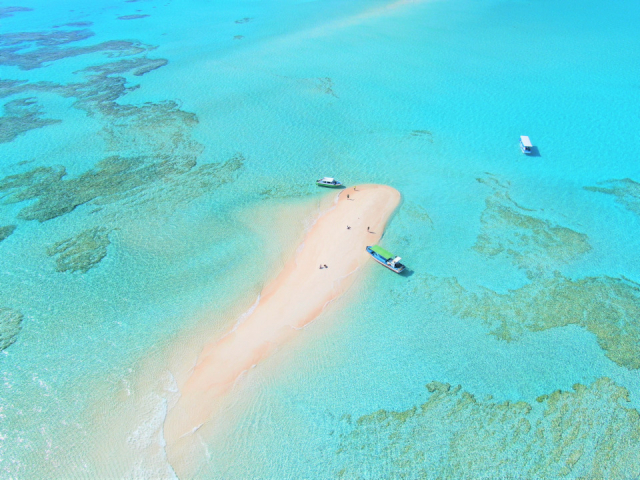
x: 428, y: 97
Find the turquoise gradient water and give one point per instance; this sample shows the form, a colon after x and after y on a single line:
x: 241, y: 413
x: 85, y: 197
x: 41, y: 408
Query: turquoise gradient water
x: 428, y: 97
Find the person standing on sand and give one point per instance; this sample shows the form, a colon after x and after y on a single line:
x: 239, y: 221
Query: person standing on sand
x: 347, y: 196
x: 367, y: 229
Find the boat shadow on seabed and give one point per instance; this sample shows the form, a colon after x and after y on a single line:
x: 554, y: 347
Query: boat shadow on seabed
x: 535, y: 152
x: 407, y: 272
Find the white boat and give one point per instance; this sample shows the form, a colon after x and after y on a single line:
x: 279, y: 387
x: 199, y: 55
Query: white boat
x: 525, y: 145
x: 328, y: 182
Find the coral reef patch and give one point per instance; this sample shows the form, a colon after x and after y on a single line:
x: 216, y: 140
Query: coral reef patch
x: 287, y: 190
x: 6, y: 231
x: 9, y: 11
x: 10, y: 326
x: 607, y: 307
x: 426, y: 134
x: 625, y: 191
x: 326, y: 85
x: 530, y: 243
x: 20, y: 116
x: 78, y: 24
x: 589, y: 432
x: 132, y: 17
x: 150, y: 157
x: 45, y: 47
x: 82, y: 252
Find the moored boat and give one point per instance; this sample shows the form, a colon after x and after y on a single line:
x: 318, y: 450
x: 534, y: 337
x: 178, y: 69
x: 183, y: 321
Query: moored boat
x: 328, y: 182
x: 525, y: 145
x: 385, y: 258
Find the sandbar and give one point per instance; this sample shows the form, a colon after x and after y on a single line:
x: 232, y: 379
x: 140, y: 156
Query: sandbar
x: 295, y: 298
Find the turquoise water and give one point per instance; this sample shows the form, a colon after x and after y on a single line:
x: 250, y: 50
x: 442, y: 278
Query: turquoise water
x: 187, y: 188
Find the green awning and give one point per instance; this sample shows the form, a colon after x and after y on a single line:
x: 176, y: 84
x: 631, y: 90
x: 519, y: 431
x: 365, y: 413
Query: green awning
x: 382, y: 252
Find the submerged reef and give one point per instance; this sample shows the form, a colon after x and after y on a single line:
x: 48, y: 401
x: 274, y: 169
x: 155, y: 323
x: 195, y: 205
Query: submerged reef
x: 150, y: 157
x: 20, y: 116
x: 287, y: 190
x: 585, y: 433
x: 132, y: 17
x: 150, y: 162
x: 325, y: 85
x: 10, y: 325
x: 9, y: 11
x: 607, y: 307
x: 112, y: 180
x: 82, y: 252
x: 138, y: 66
x: 530, y: 243
x: 77, y: 24
x: 417, y: 213
x: 625, y: 191
x: 29, y: 50
x: 426, y: 134
x: 6, y: 231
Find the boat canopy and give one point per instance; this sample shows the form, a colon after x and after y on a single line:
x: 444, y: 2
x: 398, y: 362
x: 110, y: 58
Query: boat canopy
x: 328, y: 179
x: 525, y: 141
x: 382, y: 252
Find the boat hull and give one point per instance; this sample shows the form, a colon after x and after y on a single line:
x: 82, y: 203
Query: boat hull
x: 397, y: 269
x: 327, y: 185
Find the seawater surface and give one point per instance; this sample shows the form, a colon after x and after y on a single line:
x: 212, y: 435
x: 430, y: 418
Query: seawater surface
x: 157, y: 161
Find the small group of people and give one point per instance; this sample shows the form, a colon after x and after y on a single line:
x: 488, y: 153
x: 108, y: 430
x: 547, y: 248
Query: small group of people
x: 323, y: 266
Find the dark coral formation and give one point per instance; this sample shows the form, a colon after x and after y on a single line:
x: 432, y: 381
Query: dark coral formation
x: 29, y: 50
x: 20, y: 116
x: 607, y: 307
x: 625, y: 191
x: 287, y: 190
x: 10, y: 325
x: 417, y: 213
x: 6, y: 231
x: 151, y: 155
x: 82, y: 252
x: 422, y: 134
x: 9, y: 11
x: 78, y: 24
x: 589, y: 432
x: 132, y: 17
x: 533, y: 244
x: 325, y: 85
x: 138, y: 66
x: 112, y: 180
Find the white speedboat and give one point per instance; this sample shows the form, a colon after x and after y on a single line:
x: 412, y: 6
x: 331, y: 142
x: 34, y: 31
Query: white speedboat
x: 328, y: 182
x: 525, y: 145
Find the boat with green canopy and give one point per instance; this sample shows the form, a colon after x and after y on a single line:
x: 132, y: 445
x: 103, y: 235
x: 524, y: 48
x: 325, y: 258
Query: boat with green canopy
x: 386, y: 258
